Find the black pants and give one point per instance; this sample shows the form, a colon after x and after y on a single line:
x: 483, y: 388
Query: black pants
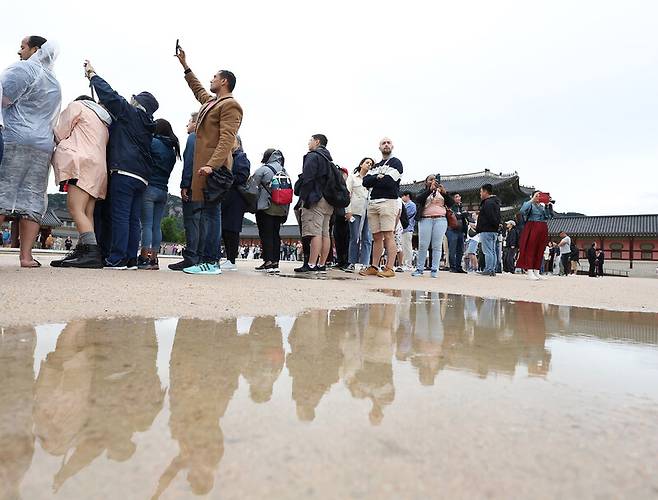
x: 231, y: 243
x: 510, y: 259
x: 566, y: 264
x: 342, y: 240
x: 268, y: 231
x: 592, y: 268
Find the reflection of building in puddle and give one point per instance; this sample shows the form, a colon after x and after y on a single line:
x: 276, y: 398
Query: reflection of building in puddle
x: 314, y: 361
x: 16, y: 406
x: 95, y: 391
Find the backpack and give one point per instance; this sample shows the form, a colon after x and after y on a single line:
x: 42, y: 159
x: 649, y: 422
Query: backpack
x: 404, y: 217
x: 335, y: 189
x: 280, y: 188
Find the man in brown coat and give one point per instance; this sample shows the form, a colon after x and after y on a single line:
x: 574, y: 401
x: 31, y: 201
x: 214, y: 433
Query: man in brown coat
x: 218, y: 122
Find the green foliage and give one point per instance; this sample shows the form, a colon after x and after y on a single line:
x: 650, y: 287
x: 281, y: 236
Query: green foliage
x: 172, y: 231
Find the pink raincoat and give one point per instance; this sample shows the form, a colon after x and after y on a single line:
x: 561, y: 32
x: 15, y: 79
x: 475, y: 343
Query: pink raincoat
x: 81, y: 135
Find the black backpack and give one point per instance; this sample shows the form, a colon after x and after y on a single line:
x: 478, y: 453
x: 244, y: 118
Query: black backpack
x: 404, y: 217
x: 335, y: 189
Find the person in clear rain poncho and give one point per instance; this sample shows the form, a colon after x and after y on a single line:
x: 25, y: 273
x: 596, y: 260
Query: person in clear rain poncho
x: 30, y: 106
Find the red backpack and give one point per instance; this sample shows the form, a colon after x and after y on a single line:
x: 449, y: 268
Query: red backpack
x: 280, y: 187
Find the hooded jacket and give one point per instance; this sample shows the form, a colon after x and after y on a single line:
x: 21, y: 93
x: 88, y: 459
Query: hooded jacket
x: 82, y: 135
x: 164, y: 159
x: 489, y: 216
x: 314, y: 176
x: 32, y: 100
x: 131, y: 132
x: 264, y: 175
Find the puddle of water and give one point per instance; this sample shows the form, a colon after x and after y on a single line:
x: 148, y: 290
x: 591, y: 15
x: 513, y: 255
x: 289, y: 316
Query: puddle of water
x: 463, y: 395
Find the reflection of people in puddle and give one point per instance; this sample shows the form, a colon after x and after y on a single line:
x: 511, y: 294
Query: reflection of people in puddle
x: 206, y: 360
x: 374, y: 379
x: 428, y: 336
x: 96, y: 390
x: 314, y: 361
x: 266, y: 358
x: 531, y: 330
x: 16, y: 401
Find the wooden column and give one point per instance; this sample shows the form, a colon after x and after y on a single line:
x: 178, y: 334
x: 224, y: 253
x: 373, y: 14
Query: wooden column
x: 631, y: 253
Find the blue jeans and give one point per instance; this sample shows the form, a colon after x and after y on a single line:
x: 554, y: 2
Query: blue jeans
x: 125, y: 207
x: 489, y: 241
x: 192, y: 221
x: 455, y: 248
x: 360, y: 251
x: 2, y: 146
x: 431, y: 231
x: 153, y: 207
x: 210, y: 233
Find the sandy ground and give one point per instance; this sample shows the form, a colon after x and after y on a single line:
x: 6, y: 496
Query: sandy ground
x: 52, y: 295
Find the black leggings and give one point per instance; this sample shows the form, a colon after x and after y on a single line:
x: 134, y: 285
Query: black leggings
x: 231, y: 243
x: 268, y: 231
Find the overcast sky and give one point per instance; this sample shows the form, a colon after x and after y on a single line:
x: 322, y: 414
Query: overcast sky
x: 563, y: 92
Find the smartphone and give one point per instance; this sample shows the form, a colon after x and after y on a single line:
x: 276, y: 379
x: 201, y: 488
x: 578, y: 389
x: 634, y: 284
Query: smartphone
x: 177, y: 46
x: 438, y: 178
x: 544, y: 198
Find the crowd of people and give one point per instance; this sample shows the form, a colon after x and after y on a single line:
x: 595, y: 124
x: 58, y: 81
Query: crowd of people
x: 114, y: 160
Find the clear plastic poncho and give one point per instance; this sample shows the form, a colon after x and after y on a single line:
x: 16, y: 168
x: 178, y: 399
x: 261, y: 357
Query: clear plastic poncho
x: 32, y: 99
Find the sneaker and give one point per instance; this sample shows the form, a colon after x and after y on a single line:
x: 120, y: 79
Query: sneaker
x: 386, y: 273
x: 434, y: 274
x: 131, y: 265
x: 272, y: 268
x: 142, y: 262
x: 179, y: 266
x: 530, y: 275
x: 228, y: 266
x: 416, y: 273
x: 304, y: 269
x: 120, y: 266
x: 73, y: 254
x: 350, y: 269
x: 89, y: 257
x: 369, y: 271
x: 320, y: 269
x: 204, y: 268
x: 399, y: 270
x: 262, y: 267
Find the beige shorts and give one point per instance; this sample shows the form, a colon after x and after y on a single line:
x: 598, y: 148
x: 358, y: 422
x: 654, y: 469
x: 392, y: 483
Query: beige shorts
x: 315, y: 220
x: 382, y: 216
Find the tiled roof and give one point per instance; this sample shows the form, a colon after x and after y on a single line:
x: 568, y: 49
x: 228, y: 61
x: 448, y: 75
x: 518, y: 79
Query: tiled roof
x: 606, y: 225
x: 51, y: 220
x: 466, y: 182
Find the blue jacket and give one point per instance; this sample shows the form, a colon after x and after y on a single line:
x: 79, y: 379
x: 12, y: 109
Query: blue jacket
x: 314, y: 176
x: 188, y: 162
x: 164, y: 159
x: 129, y: 147
x: 534, y: 212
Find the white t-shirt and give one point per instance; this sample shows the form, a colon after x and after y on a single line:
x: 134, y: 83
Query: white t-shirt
x: 566, y: 247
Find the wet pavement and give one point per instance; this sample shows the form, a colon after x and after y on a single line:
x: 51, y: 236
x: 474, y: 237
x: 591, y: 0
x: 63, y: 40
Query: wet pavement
x: 439, y: 396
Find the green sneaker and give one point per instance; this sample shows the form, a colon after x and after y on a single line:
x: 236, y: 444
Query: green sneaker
x: 203, y: 268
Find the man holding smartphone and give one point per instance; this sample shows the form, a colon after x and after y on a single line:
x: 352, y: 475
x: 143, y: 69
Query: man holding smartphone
x: 218, y: 122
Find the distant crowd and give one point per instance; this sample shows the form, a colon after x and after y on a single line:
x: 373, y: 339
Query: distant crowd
x: 114, y: 160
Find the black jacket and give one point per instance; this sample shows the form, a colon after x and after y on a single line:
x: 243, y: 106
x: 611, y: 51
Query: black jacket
x: 591, y: 254
x: 129, y: 147
x: 314, y: 176
x: 421, y: 199
x: 512, y: 238
x: 489, y: 216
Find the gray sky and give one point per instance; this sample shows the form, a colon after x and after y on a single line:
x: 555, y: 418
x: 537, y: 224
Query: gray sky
x: 564, y: 92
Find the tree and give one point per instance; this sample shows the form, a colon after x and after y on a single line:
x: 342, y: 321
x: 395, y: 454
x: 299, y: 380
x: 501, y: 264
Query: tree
x: 170, y: 230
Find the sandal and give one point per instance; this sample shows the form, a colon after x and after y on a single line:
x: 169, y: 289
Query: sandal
x: 36, y: 264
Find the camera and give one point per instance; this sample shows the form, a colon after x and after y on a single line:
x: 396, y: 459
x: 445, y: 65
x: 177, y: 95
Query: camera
x: 545, y: 198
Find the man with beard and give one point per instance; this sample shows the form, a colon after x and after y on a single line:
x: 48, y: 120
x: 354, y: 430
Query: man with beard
x: 384, y: 180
